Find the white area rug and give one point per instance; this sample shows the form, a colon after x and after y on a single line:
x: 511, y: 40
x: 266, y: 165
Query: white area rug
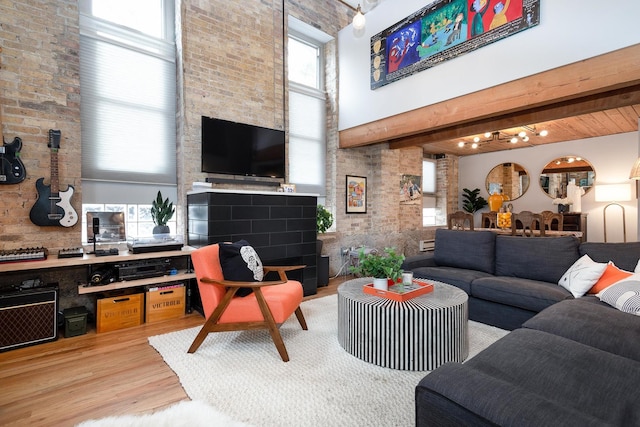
x: 241, y: 374
x: 186, y: 413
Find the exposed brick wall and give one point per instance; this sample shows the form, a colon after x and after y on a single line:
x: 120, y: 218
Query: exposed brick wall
x: 39, y: 90
x: 230, y: 65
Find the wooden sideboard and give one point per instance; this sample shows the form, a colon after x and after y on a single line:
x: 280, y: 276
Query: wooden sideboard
x: 575, y: 221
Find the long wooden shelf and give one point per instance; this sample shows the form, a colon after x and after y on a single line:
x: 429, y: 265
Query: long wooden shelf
x: 53, y: 261
x: 88, y: 289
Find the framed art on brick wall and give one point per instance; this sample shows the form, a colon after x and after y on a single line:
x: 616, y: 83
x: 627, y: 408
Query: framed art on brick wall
x: 356, y: 190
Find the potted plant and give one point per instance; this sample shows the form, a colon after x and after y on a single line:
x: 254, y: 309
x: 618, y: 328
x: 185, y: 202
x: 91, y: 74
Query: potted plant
x: 324, y: 219
x: 472, y: 201
x: 161, y: 212
x: 382, y: 267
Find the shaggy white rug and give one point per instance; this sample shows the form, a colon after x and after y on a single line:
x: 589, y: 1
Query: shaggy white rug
x: 186, y: 413
x: 241, y: 374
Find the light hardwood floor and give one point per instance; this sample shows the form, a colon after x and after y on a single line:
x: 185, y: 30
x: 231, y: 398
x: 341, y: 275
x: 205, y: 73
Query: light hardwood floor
x: 95, y: 375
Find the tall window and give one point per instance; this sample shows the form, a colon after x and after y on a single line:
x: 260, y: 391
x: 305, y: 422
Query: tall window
x: 429, y: 192
x: 307, y: 108
x: 128, y: 98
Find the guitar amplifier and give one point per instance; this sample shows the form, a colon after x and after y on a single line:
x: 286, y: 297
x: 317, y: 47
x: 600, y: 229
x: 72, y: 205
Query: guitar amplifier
x: 28, y: 317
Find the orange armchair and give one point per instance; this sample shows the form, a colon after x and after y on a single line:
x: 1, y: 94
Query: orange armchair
x: 269, y: 305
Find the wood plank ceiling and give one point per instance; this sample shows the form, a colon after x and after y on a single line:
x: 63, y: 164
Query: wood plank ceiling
x: 596, y: 97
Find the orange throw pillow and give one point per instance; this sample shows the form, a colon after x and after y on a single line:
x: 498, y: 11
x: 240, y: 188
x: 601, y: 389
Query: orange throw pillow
x: 610, y: 276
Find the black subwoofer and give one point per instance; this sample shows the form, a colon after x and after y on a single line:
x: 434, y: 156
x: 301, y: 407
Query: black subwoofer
x: 28, y: 317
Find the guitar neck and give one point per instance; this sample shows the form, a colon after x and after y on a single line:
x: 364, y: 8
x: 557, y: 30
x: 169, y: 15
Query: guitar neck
x: 55, y: 183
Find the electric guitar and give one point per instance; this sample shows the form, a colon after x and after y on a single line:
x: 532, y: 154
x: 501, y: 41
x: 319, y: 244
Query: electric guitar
x: 12, y: 169
x: 53, y: 207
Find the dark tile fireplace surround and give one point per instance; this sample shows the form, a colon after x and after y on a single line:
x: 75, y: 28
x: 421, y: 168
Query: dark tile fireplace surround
x: 280, y: 226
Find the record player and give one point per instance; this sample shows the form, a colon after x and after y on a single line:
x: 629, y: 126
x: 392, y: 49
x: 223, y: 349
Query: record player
x: 155, y: 243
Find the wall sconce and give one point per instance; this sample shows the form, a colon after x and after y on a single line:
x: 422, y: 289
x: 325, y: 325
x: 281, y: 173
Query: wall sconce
x: 359, y: 21
x: 613, y: 193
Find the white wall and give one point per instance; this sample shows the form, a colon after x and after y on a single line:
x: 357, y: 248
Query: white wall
x: 569, y: 31
x: 612, y: 158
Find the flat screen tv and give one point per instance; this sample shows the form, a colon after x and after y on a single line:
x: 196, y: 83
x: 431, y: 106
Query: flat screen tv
x: 240, y: 149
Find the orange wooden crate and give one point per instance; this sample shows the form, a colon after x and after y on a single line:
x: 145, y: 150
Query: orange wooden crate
x: 119, y: 312
x: 165, y: 303
x: 424, y: 288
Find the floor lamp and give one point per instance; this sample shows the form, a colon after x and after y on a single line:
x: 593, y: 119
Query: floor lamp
x: 613, y: 193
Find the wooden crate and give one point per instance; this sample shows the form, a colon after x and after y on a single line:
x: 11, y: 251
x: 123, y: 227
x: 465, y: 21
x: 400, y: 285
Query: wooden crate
x: 119, y: 312
x: 165, y: 303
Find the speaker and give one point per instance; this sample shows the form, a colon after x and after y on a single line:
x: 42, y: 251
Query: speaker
x: 28, y: 317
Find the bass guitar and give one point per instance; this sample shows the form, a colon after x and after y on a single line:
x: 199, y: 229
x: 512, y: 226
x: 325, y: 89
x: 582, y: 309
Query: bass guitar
x: 53, y: 207
x: 12, y: 169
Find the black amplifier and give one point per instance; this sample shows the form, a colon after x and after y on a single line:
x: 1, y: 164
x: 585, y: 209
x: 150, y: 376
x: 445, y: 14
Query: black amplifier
x: 142, y: 269
x: 28, y: 317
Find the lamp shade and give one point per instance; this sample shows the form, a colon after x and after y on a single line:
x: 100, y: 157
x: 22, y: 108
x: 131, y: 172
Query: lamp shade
x: 635, y: 170
x: 613, y: 192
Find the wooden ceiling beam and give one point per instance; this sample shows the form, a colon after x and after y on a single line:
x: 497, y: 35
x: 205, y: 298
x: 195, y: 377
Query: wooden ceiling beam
x: 589, y: 104
x: 602, y: 74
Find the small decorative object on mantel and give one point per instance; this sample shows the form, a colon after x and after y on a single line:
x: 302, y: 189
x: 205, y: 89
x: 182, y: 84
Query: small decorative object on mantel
x: 288, y: 188
x: 564, y: 204
x: 161, y: 212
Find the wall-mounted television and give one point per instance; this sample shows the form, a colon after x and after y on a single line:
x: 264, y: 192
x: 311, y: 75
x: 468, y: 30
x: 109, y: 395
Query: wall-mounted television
x: 233, y: 148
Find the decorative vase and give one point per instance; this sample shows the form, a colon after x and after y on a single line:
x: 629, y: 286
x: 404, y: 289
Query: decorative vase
x: 382, y: 284
x: 504, y: 220
x: 160, y: 230
x: 495, y: 201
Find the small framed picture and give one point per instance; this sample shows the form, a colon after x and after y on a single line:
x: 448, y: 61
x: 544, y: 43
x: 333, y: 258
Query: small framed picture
x: 288, y: 188
x: 356, y: 189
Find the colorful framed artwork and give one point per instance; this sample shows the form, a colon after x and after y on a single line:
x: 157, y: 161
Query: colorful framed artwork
x: 356, y: 189
x: 443, y: 30
x: 410, y: 191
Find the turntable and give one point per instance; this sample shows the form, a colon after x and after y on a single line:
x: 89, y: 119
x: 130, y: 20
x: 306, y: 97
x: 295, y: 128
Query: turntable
x: 155, y: 243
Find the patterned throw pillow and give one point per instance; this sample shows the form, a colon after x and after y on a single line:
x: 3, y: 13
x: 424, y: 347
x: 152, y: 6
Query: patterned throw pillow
x: 240, y: 262
x: 624, y: 295
x: 582, y: 275
x: 611, y: 275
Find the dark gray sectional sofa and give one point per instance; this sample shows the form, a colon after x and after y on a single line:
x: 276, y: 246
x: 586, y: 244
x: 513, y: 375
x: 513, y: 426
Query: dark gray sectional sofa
x: 568, y: 361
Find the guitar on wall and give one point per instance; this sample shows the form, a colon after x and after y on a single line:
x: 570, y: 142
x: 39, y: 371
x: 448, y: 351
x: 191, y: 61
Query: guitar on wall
x: 12, y: 169
x: 53, y: 207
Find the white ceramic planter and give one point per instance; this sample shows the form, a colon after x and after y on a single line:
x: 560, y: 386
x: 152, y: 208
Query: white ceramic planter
x: 382, y: 284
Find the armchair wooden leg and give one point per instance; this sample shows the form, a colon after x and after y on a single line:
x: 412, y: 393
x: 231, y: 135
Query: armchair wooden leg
x: 301, y: 319
x: 271, y: 324
x: 209, y: 325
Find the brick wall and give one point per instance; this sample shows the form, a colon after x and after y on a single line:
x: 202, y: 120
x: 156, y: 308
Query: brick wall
x: 230, y: 65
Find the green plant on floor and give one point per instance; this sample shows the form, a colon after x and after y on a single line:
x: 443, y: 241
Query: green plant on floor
x: 324, y: 219
x: 385, y: 265
x: 472, y: 201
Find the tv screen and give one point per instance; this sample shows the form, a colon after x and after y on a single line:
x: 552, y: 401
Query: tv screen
x: 240, y: 149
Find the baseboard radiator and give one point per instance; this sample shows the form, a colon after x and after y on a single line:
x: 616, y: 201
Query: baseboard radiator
x: 427, y: 245
x: 28, y: 318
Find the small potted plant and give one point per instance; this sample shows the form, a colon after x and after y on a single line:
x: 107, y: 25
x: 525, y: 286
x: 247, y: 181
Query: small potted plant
x: 324, y: 219
x: 161, y: 212
x: 382, y: 267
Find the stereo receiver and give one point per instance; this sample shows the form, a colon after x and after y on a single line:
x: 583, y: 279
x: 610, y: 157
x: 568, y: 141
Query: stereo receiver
x: 143, y: 269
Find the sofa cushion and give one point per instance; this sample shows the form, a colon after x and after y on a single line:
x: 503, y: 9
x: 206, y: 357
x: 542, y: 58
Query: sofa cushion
x: 537, y: 258
x: 590, y: 322
x: 624, y: 295
x: 458, y: 277
x: 610, y: 276
x: 473, y: 250
x: 527, y: 294
x: 624, y: 255
x: 582, y: 275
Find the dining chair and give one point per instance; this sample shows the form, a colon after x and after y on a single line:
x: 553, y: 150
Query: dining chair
x: 489, y: 219
x: 268, y: 306
x: 531, y: 224
x: 460, y: 220
x: 549, y: 217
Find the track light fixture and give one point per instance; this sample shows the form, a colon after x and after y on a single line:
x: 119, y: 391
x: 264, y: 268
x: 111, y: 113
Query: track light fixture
x: 500, y: 136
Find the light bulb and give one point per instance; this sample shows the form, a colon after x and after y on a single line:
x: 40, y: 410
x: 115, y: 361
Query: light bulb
x: 544, y: 132
x: 525, y: 139
x: 359, y: 20
x: 474, y: 145
x: 487, y: 134
x: 514, y: 140
x: 522, y: 134
x: 461, y: 144
x: 476, y: 139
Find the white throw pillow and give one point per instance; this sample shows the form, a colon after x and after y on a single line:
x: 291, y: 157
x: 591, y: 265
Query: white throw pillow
x: 582, y: 275
x: 623, y: 295
x: 637, y: 270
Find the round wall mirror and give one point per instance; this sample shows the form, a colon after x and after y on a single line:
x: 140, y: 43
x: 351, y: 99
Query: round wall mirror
x: 512, y: 178
x: 561, y: 171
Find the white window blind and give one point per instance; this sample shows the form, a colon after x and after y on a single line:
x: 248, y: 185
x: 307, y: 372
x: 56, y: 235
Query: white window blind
x: 128, y: 97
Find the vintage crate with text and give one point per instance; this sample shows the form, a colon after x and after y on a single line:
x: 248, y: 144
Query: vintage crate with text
x: 119, y: 312
x: 165, y: 302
